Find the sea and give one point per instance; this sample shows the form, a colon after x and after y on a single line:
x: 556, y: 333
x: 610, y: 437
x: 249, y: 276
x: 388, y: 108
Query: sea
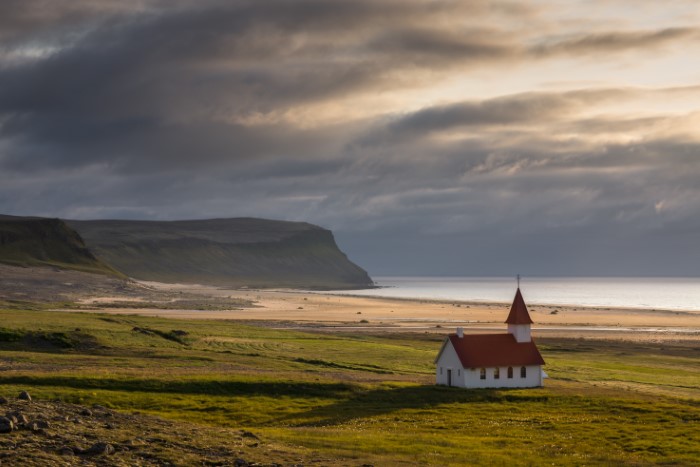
x: 613, y: 292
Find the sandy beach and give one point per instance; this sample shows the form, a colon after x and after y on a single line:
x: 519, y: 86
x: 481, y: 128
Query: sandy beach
x: 322, y: 311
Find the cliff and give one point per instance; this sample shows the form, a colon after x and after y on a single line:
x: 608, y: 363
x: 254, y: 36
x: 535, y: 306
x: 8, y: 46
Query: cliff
x: 231, y: 252
x: 35, y: 241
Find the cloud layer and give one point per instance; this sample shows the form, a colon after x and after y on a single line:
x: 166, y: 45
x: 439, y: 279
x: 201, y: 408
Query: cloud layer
x: 434, y: 137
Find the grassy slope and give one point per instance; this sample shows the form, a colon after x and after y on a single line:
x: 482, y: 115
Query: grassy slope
x: 252, y: 252
x: 363, y: 397
x: 26, y: 241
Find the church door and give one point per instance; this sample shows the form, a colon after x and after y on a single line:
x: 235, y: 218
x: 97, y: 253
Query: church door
x: 449, y: 377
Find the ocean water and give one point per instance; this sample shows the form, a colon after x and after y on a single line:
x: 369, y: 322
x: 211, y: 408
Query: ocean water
x: 633, y: 292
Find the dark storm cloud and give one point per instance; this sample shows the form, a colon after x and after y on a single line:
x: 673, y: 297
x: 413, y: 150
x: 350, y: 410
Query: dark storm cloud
x: 424, y: 47
x: 526, y: 109
x: 180, y: 109
x: 615, y: 41
x: 148, y: 86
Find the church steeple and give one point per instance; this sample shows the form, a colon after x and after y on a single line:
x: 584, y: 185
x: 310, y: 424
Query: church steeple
x: 519, y: 320
x: 518, y: 311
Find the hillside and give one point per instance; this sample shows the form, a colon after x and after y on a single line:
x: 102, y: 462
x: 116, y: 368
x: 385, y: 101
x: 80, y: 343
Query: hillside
x: 34, y: 241
x: 242, y: 251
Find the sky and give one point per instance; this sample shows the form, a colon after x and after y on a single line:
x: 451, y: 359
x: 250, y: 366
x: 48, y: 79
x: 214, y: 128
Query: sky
x: 482, y: 138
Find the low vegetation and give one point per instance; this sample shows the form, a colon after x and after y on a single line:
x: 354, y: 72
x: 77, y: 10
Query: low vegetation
x: 354, y: 399
x: 26, y: 241
x: 240, y: 252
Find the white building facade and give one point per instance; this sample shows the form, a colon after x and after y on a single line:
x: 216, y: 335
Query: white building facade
x: 505, y: 360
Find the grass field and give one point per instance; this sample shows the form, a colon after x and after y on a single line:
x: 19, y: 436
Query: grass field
x: 364, y: 399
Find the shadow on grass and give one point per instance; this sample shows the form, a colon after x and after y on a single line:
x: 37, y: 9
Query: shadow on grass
x: 380, y: 401
x: 351, y: 401
x: 204, y: 387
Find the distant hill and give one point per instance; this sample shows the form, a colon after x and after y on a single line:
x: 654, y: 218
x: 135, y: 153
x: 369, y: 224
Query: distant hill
x: 35, y: 241
x: 242, y: 251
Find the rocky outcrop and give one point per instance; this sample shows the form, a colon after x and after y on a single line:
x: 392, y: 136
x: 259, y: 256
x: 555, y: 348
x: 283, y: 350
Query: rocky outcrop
x: 40, y: 433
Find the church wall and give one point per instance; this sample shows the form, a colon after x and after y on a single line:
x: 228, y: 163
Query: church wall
x: 449, y: 361
x: 533, y: 378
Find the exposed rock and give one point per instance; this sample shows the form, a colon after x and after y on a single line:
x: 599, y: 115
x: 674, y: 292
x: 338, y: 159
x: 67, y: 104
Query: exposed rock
x: 6, y: 425
x: 86, y: 412
x: 66, y: 451
x: 43, y: 423
x: 240, y: 463
x: 18, y: 417
x: 130, y: 439
x: 3, y: 400
x: 24, y: 395
x: 100, y: 449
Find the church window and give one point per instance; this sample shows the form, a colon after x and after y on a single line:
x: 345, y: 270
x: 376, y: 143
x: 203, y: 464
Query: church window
x: 510, y: 372
x: 523, y: 372
x: 483, y: 373
x: 496, y: 373
x: 440, y: 370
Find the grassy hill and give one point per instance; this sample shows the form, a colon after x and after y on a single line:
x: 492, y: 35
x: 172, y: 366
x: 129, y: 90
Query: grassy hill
x: 33, y: 241
x: 232, y: 252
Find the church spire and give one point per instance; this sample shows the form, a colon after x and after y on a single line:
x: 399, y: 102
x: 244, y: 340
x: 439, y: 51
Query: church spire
x: 519, y: 320
x: 518, y: 310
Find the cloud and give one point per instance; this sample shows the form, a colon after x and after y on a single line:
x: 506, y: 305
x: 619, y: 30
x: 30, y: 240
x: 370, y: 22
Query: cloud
x: 441, y: 131
x: 614, y: 41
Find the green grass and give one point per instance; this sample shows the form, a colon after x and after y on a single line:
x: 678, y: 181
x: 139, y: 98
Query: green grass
x: 252, y: 252
x: 47, y: 242
x: 364, y: 398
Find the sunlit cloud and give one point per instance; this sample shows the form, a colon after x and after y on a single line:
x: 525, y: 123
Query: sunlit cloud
x: 504, y: 125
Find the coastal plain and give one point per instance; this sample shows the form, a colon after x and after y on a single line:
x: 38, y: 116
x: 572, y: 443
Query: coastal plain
x: 196, y: 375
x: 329, y: 311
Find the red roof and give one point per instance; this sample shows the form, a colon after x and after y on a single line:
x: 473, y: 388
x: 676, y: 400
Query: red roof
x: 490, y: 350
x: 518, y: 311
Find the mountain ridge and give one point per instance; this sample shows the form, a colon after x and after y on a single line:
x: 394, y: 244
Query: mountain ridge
x: 224, y: 251
x: 40, y: 241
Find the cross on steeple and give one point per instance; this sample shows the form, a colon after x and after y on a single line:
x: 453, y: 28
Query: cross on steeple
x: 518, y: 279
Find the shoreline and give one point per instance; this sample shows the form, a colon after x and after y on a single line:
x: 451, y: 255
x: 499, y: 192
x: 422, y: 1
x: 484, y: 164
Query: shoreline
x: 202, y: 288
x: 477, y: 303
x: 332, y: 312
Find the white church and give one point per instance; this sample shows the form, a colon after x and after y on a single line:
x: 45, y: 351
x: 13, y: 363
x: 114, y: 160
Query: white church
x: 505, y: 360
